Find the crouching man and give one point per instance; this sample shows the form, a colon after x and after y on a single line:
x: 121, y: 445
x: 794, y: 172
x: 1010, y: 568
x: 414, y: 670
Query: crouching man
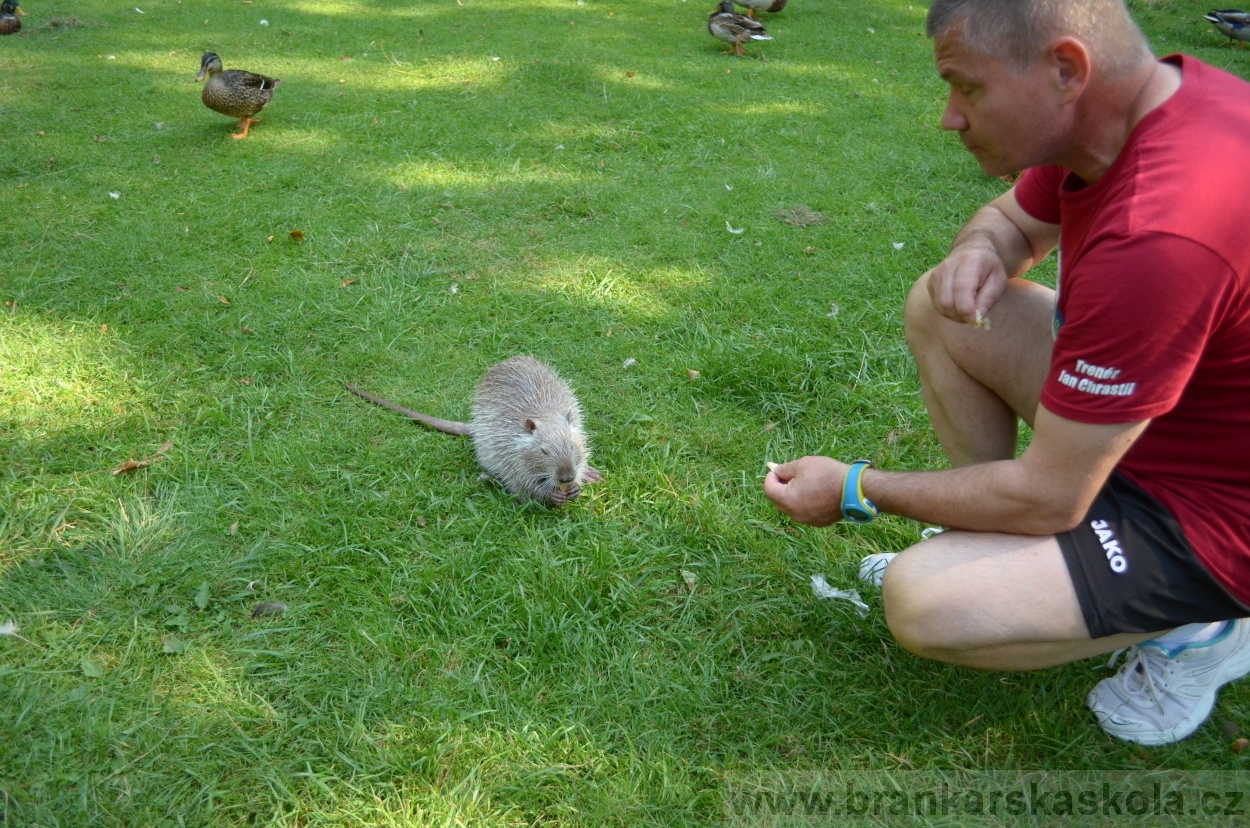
x: 1125, y: 523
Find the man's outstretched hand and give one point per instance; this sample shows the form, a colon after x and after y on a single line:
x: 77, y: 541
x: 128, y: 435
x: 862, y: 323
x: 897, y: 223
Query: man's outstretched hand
x: 809, y: 489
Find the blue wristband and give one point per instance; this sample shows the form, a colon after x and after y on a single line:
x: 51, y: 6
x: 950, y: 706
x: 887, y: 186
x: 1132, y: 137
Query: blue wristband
x: 855, y: 507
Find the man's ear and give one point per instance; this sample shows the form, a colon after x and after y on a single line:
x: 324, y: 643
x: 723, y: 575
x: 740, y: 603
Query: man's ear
x: 1070, y: 64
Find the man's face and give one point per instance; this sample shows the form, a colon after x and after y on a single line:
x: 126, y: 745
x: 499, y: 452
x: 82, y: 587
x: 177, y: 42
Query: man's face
x: 1008, y: 120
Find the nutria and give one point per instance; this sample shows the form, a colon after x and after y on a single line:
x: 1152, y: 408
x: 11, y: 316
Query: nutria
x: 526, y: 430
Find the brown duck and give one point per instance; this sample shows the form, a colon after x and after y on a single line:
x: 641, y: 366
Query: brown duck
x: 10, y: 17
x: 727, y: 25
x: 752, y: 6
x: 234, y: 92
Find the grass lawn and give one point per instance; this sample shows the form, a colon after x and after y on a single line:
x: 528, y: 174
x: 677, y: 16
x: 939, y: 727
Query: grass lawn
x: 472, y: 179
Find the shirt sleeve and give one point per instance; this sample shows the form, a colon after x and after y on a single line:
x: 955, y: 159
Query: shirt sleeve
x: 1037, y: 192
x: 1136, y: 315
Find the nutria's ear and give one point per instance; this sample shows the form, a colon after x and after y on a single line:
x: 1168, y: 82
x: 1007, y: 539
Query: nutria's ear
x: 530, y: 425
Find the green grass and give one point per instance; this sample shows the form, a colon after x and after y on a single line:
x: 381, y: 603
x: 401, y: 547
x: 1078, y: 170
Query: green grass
x: 449, y: 657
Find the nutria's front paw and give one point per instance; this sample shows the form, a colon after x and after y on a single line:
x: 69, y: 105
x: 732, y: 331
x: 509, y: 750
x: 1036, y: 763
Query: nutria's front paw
x: 592, y: 475
x: 559, y: 497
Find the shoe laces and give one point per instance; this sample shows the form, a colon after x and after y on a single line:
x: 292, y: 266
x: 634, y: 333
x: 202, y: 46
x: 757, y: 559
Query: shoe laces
x: 1146, y: 671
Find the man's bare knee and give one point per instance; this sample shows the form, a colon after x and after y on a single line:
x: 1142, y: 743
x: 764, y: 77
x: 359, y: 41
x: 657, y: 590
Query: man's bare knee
x: 917, y: 617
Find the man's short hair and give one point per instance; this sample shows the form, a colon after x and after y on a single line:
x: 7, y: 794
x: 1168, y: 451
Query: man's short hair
x: 1017, y: 31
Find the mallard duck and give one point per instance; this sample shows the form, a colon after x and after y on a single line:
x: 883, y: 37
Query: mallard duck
x: 731, y: 27
x: 234, y: 92
x: 10, y: 17
x: 752, y: 6
x: 1235, y: 24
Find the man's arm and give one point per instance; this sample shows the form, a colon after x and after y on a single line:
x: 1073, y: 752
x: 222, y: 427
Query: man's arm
x: 998, y: 243
x: 1046, y: 490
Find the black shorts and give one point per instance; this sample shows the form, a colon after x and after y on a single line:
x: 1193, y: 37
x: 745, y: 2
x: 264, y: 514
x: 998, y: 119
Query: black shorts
x: 1133, y: 569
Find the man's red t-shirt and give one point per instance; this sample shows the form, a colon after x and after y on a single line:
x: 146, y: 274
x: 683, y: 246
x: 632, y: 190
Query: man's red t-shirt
x: 1153, y: 312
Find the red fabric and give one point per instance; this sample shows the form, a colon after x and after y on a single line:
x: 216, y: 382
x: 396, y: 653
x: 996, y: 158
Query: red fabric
x: 1154, y: 307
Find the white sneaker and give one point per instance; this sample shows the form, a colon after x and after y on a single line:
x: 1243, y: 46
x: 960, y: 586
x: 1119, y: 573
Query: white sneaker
x: 1161, y: 695
x: 872, y: 567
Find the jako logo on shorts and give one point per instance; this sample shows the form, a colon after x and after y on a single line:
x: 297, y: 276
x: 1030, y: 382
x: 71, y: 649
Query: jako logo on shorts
x: 1115, y: 555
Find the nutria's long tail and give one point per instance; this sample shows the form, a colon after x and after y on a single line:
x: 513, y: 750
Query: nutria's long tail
x: 448, y: 426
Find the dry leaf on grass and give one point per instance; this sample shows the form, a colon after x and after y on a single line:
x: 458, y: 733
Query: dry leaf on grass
x: 693, y: 373
x: 223, y: 300
x: 130, y: 465
x: 298, y: 235
x: 800, y: 215
x: 347, y: 283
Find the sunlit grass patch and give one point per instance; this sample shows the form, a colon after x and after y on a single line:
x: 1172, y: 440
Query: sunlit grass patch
x: 55, y: 373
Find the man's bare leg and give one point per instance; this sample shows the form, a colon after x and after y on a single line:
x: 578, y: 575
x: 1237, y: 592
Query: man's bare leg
x: 976, y: 381
x: 989, y: 601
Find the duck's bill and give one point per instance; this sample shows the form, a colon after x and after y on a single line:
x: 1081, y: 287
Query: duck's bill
x: 200, y: 76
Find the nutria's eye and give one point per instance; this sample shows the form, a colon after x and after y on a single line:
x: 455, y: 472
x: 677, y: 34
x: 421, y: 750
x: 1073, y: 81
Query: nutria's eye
x: 545, y: 452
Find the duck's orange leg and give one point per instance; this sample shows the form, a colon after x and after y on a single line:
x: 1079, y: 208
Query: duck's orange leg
x: 246, y: 123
